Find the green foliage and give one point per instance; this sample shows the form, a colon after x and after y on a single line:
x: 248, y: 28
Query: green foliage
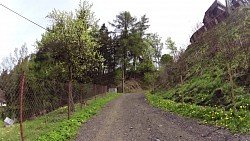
x: 151, y: 78
x: 157, y: 46
x: 118, y: 76
x: 75, y: 48
x: 166, y: 59
x: 206, y: 90
x: 68, y: 129
x: 213, y: 69
x: 240, y: 122
x: 171, y: 46
x: 55, y: 126
x: 69, y: 46
x: 107, y: 50
x: 136, y: 50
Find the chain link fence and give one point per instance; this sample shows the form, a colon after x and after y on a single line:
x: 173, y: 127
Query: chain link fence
x: 24, y: 98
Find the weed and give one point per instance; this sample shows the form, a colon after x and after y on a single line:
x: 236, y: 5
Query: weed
x: 237, y: 123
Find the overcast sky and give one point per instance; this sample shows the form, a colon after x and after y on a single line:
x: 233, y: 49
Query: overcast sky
x: 168, y: 18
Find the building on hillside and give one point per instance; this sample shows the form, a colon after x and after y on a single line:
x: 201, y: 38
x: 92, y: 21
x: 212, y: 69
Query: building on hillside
x: 215, y: 14
x: 239, y: 3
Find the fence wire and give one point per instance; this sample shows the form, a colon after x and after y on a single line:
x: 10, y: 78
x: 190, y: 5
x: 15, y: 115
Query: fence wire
x: 46, y: 102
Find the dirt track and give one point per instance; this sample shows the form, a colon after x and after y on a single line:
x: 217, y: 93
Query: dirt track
x: 131, y: 118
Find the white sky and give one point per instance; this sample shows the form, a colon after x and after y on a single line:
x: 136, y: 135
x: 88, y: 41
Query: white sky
x: 168, y: 18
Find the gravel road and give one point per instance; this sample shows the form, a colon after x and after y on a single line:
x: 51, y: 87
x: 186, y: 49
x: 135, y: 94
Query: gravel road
x: 131, y: 118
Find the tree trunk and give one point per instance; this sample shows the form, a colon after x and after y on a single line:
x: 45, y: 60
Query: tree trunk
x: 134, y: 64
x: 232, y: 86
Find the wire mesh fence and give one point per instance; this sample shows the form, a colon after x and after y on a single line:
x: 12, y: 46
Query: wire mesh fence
x: 25, y: 99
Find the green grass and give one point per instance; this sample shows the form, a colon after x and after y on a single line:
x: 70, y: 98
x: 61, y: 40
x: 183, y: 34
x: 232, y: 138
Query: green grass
x: 238, y: 123
x: 206, y: 89
x: 55, y: 126
x: 201, y: 90
x: 205, y: 72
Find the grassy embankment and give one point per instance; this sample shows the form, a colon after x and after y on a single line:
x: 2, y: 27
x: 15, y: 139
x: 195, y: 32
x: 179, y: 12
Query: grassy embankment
x: 238, y: 123
x: 207, y: 93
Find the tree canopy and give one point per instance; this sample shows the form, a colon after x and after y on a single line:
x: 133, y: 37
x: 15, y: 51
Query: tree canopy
x: 75, y: 47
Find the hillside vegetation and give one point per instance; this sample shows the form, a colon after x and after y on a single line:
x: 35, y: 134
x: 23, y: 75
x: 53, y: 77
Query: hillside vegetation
x: 214, y: 71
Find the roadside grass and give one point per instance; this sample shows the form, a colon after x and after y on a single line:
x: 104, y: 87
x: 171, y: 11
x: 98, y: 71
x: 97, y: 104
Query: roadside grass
x: 236, y: 123
x: 54, y: 126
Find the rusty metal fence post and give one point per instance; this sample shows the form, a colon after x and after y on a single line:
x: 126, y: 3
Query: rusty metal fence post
x: 81, y: 94
x: 102, y: 90
x: 69, y: 91
x: 95, y: 90
x: 21, y: 105
x: 105, y: 89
